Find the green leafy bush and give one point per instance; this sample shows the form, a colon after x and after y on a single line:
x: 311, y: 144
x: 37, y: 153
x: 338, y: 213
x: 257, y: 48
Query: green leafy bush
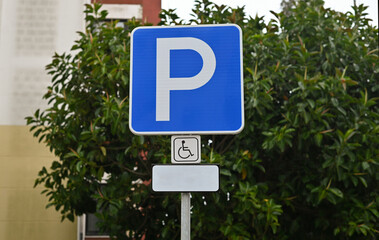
x: 305, y: 166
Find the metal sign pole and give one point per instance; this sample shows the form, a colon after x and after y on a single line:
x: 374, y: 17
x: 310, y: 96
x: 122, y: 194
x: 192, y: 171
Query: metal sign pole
x: 185, y: 217
x: 185, y: 175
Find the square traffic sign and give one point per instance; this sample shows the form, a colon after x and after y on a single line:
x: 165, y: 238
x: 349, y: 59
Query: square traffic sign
x: 185, y: 149
x: 186, y: 80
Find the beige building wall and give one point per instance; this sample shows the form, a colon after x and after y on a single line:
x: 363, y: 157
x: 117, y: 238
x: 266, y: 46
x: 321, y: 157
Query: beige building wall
x: 30, y: 33
x: 22, y: 208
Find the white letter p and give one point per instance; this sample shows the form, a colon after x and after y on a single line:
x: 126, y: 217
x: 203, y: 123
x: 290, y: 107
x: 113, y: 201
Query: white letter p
x: 165, y: 84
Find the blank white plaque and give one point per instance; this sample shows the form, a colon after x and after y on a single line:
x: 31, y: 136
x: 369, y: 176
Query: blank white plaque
x: 185, y: 178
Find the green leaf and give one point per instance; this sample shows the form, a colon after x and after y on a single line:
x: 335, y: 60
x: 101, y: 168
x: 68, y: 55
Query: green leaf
x: 100, y: 173
x: 336, y: 192
x: 363, y: 181
x: 318, y: 139
x: 79, y: 165
x: 365, y: 165
x: 127, y: 150
x: 335, y: 102
x: 311, y: 103
x: 349, y: 134
x: 141, y: 140
x: 225, y: 172
x: 103, y: 150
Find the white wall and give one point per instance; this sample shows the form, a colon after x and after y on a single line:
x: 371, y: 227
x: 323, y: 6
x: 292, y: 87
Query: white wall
x: 30, y: 33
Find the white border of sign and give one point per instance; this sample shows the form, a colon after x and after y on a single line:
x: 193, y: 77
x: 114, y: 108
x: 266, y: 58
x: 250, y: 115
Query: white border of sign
x: 186, y: 132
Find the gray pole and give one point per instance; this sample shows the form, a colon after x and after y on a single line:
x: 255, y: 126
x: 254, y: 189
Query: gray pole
x: 185, y: 217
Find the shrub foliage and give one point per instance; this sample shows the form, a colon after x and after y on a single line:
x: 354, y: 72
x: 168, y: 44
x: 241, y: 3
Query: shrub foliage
x: 304, y: 167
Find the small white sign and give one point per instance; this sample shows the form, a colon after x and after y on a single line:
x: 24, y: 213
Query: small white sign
x: 186, y: 178
x: 185, y: 149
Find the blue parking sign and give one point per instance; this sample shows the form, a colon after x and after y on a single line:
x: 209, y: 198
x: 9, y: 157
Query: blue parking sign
x: 186, y: 80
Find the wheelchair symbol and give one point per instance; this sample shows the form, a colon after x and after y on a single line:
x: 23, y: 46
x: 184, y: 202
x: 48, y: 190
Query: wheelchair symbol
x: 185, y: 149
x: 184, y: 152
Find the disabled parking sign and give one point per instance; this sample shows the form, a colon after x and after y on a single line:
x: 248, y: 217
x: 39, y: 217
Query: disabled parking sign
x: 186, y: 80
x: 185, y: 149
